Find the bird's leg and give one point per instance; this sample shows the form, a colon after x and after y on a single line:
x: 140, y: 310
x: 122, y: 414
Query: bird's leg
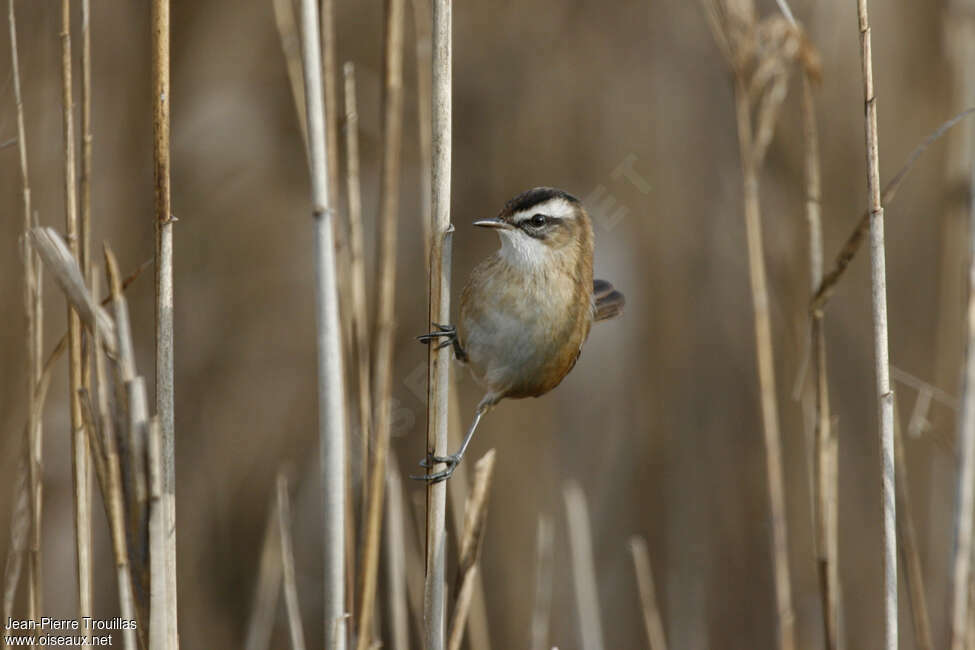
x: 453, y: 460
x: 449, y: 334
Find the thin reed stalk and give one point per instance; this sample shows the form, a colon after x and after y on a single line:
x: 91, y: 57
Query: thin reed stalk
x: 910, y: 552
x: 267, y: 592
x: 330, y: 97
x: 284, y: 18
x: 112, y: 491
x: 291, y: 605
x: 129, y: 447
x: 648, y: 596
x: 827, y: 530
x: 394, y: 543
x: 159, y: 637
x: 19, y: 540
x: 79, y: 441
x: 750, y: 160
x: 542, y: 607
x: 34, y: 345
x: 163, y: 220
x: 438, y: 360
x: 475, y: 516
x: 86, y: 143
x: 961, y: 566
x: 759, y: 55
x: 885, y: 397
x: 382, y: 369
x: 583, y: 567
x: 357, y: 271
x: 422, y: 26
x: 331, y: 378
x: 478, y: 628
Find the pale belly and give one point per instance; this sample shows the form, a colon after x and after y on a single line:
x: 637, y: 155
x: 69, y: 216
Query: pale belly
x: 521, y: 345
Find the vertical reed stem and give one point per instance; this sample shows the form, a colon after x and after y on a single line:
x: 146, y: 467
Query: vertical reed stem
x: 163, y: 219
x: 359, y: 321
x: 766, y: 371
x: 32, y: 294
x: 331, y: 380
x: 438, y: 360
x: 961, y: 568
x: 79, y: 441
x: 583, y: 567
x: 422, y: 25
x: 86, y: 141
x: 885, y: 397
x: 382, y: 369
x: 826, y: 488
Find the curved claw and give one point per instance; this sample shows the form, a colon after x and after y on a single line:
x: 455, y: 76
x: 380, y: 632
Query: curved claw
x: 452, y: 461
x: 436, y: 477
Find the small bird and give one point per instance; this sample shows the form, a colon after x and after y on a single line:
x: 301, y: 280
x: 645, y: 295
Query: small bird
x: 527, y: 309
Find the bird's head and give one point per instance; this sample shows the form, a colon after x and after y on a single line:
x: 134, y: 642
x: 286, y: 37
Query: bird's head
x: 542, y: 226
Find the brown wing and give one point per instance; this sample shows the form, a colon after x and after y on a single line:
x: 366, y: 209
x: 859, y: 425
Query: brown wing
x: 608, y: 301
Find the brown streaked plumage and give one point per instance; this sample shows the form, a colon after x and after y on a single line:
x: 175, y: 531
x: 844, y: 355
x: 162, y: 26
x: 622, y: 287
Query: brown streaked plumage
x: 528, y: 308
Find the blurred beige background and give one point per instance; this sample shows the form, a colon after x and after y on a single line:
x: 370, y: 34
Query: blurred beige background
x: 659, y: 421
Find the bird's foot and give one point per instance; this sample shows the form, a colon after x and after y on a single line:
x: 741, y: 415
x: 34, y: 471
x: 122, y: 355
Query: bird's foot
x: 447, y: 332
x: 451, y: 462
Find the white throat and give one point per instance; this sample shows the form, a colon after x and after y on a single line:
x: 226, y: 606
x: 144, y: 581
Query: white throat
x: 521, y: 251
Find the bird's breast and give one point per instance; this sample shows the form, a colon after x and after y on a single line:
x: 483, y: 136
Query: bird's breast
x: 522, y: 333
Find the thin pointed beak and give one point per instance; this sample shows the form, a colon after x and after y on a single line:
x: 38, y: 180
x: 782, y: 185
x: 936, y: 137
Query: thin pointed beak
x: 493, y: 223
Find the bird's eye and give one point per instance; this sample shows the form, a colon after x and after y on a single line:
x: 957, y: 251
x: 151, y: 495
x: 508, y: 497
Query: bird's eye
x: 538, y: 220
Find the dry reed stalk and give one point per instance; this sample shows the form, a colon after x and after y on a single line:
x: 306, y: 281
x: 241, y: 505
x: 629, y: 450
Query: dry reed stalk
x: 438, y: 360
x: 292, y: 606
x: 885, y: 397
x: 411, y: 541
x: 759, y: 55
x: 475, y: 516
x: 132, y: 425
x: 163, y: 220
x: 329, y: 87
x: 359, y: 316
x: 648, y: 597
x: 382, y: 369
x: 343, y: 277
x: 583, y: 567
x: 264, y: 607
x: 461, y: 609
x: 330, y: 96
x: 79, y: 442
x: 827, y: 492
x: 159, y: 621
x: 32, y: 309
x: 961, y: 567
x: 422, y: 25
x: 20, y: 522
x: 284, y: 18
x: 910, y: 553
x: 542, y: 608
x: 394, y: 541
x: 766, y: 373
x: 86, y: 145
x: 763, y: 80
x: 331, y: 379
x: 112, y: 493
x: 478, y: 629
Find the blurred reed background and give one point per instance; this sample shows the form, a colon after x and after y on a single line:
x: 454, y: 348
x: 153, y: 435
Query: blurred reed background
x: 627, y: 105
